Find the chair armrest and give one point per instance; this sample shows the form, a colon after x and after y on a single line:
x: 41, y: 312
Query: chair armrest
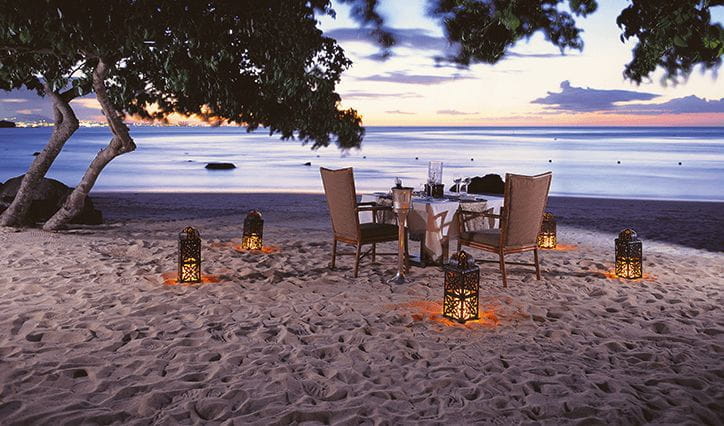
x: 367, y: 203
x: 372, y: 208
x: 479, y: 214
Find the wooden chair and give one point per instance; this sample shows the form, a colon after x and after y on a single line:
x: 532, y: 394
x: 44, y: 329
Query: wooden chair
x: 344, y: 211
x: 520, y: 220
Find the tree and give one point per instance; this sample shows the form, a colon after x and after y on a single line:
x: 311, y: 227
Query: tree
x: 673, y: 34
x: 246, y: 62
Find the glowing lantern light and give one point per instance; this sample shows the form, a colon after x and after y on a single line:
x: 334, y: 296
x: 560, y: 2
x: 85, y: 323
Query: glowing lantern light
x: 547, y: 234
x: 189, y: 256
x: 253, y: 228
x: 462, y: 284
x: 629, y: 254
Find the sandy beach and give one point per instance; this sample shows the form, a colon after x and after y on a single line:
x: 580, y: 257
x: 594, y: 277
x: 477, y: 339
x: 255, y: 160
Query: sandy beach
x: 89, y: 332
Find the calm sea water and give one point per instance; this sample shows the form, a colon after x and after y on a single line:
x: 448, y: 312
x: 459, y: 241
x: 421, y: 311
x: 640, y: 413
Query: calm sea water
x: 584, y: 161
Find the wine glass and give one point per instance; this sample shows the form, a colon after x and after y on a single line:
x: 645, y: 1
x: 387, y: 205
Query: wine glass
x: 457, y: 179
x: 421, y: 191
x: 466, y: 183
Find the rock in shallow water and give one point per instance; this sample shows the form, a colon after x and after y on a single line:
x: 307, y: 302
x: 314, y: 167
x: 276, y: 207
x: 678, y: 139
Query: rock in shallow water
x: 220, y: 166
x: 488, y: 184
x: 47, y: 198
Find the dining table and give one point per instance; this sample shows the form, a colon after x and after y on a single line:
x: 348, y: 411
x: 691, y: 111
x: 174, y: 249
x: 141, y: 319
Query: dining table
x: 435, y: 222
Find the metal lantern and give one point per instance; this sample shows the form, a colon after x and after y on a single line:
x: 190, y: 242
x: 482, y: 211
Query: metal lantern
x: 629, y: 255
x: 547, y: 234
x: 462, y: 283
x: 253, y: 228
x: 189, y: 256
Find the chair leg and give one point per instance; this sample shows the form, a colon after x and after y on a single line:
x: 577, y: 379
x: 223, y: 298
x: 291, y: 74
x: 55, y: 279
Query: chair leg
x: 422, y: 252
x: 374, y: 251
x: 502, y: 270
x: 356, y: 260
x: 334, y: 253
x: 537, y: 264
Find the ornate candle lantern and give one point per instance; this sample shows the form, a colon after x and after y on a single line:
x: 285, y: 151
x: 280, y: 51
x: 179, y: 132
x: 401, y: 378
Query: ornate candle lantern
x: 462, y: 283
x: 401, y: 204
x: 189, y: 256
x: 629, y: 254
x: 547, y: 234
x: 253, y: 228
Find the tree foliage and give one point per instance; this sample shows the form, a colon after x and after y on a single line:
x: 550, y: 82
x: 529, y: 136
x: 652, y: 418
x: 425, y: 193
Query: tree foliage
x: 248, y: 62
x: 484, y: 30
x: 673, y: 34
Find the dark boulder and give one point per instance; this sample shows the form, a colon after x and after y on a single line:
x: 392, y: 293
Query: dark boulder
x: 220, y: 166
x: 5, y: 123
x: 47, y: 198
x: 488, y: 184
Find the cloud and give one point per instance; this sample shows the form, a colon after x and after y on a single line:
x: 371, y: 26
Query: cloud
x: 413, y: 38
x: 91, y: 103
x: 417, y: 39
x: 26, y: 105
x: 397, y: 111
x: 539, y: 55
x: 358, y: 94
x: 687, y: 105
x: 455, y: 112
x: 29, y: 111
x: 579, y: 99
x: 405, y: 78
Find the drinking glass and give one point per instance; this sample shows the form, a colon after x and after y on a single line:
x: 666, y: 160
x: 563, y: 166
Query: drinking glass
x: 466, y: 182
x: 434, y: 172
x: 457, y: 181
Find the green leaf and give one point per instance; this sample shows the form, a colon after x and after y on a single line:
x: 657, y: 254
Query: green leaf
x: 510, y: 21
x: 678, y: 41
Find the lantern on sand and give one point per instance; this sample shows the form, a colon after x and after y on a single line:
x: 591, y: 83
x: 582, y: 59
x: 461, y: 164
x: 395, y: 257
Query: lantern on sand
x: 629, y: 254
x: 189, y: 256
x: 253, y: 229
x: 462, y: 284
x: 547, y: 234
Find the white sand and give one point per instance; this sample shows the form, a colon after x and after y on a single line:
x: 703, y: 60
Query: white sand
x: 89, y: 332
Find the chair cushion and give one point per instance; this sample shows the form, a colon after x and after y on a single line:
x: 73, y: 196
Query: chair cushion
x: 374, y: 231
x: 489, y: 237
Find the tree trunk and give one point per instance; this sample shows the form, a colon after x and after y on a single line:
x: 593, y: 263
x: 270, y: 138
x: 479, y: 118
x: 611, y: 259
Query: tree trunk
x: 66, y: 123
x: 119, y: 144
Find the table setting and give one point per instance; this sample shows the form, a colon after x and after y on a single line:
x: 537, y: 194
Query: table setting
x: 432, y: 215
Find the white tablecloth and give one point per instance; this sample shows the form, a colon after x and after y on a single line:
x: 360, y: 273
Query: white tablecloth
x: 437, y: 220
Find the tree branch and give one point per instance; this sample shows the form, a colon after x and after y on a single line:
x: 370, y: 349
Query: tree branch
x: 114, y: 118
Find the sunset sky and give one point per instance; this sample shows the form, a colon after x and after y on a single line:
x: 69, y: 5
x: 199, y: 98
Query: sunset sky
x: 534, y: 85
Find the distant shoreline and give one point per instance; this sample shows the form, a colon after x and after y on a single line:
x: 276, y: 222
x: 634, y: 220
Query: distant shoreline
x: 688, y: 223
x: 105, y: 192
x: 20, y: 125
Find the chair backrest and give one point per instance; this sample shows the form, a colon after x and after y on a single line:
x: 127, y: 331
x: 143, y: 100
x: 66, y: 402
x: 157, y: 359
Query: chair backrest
x: 524, y: 203
x: 342, y: 201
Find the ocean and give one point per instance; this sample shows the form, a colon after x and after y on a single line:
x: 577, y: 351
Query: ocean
x: 613, y: 162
